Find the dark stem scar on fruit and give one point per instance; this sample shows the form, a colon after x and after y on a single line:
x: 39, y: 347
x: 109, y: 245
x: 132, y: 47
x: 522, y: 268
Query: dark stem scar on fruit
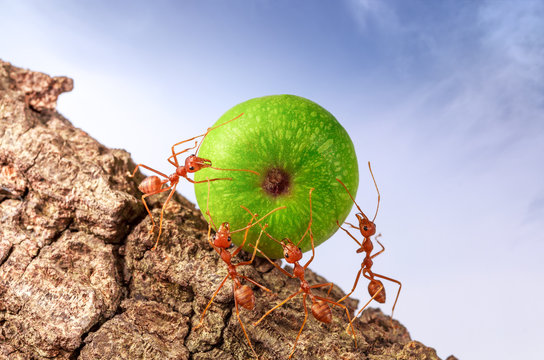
x: 276, y: 182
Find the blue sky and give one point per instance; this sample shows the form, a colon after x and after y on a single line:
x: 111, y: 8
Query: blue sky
x: 444, y: 98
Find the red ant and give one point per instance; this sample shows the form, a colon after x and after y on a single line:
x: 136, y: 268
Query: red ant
x: 367, y: 229
x: 320, y: 309
x: 153, y: 185
x: 221, y: 241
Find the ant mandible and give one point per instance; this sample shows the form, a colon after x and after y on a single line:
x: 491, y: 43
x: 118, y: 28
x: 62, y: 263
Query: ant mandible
x: 221, y: 241
x: 367, y: 229
x: 153, y: 185
x: 320, y: 308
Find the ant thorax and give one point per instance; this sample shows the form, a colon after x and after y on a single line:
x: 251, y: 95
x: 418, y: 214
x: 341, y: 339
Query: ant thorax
x: 225, y: 256
x: 298, y: 271
x: 367, y: 246
x: 181, y: 171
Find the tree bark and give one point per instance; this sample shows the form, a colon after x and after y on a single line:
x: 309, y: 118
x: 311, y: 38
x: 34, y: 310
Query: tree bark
x: 78, y: 279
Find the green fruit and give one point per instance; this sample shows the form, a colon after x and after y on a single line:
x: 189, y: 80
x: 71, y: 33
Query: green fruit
x: 295, y: 145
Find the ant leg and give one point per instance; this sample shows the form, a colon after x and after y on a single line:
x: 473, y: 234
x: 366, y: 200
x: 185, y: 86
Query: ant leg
x: 273, y: 263
x: 258, y: 221
x: 250, y: 261
x: 255, y: 283
x: 309, y: 229
x: 254, y: 247
x: 246, y: 170
x: 211, y: 223
x: 369, y: 301
x: 209, y: 238
x: 203, y: 181
x: 353, y: 226
x: 303, y: 323
x: 203, y: 136
x: 377, y: 190
x: 183, y: 142
x: 313, y: 250
x: 149, y: 212
x: 225, y: 123
x: 277, y: 306
x: 267, y: 234
x: 354, y: 285
x: 330, y: 285
x: 398, y: 292
x: 235, y: 252
x: 148, y: 168
x: 347, y: 314
x: 309, y: 222
x: 370, y: 276
x: 147, y: 208
x: 352, y: 199
x: 162, y: 212
x: 351, y: 236
x: 215, y: 127
x: 241, y: 323
x: 211, y: 300
x: 175, y: 155
x: 383, y: 248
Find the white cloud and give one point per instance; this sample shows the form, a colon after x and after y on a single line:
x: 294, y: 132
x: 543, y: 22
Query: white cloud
x: 373, y: 11
x: 515, y: 30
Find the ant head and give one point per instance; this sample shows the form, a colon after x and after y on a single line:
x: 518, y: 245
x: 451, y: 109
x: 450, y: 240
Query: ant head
x: 368, y: 228
x: 222, y: 239
x: 194, y: 163
x: 291, y: 252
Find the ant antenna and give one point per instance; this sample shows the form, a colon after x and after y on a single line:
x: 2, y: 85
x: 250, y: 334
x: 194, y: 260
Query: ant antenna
x: 215, y: 127
x: 207, y: 206
x: 352, y: 199
x: 246, y: 170
x: 175, y: 154
x: 258, y: 221
x: 266, y: 232
x: 376, y: 185
x: 311, y: 219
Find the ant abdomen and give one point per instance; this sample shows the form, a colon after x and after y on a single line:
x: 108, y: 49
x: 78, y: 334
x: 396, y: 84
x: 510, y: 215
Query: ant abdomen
x: 374, y: 287
x: 244, y: 296
x: 321, y: 311
x: 150, y: 184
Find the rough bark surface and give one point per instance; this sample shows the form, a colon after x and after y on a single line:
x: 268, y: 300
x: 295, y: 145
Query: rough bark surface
x: 78, y: 279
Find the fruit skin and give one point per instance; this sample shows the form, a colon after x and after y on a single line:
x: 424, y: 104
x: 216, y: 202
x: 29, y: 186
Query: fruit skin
x: 287, y: 132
